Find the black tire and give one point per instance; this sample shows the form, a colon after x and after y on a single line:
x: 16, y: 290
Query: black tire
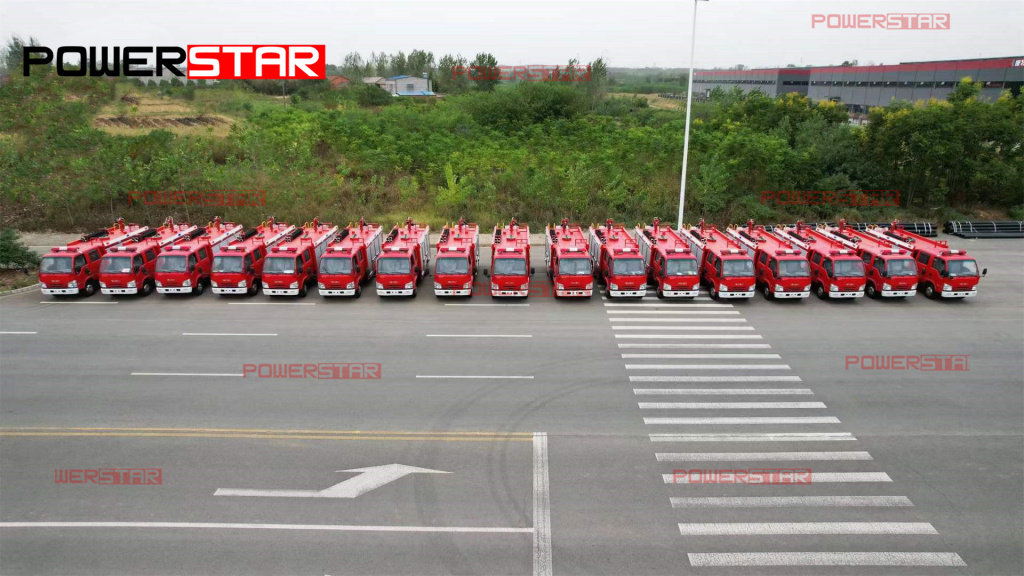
x: 254, y: 289
x: 929, y: 291
x: 661, y: 294
x: 713, y: 293
x: 359, y: 292
x: 302, y: 290
x: 147, y: 288
x: 871, y: 291
x: 415, y: 290
x: 90, y: 288
x: 767, y: 291
x: 820, y: 291
x: 199, y: 288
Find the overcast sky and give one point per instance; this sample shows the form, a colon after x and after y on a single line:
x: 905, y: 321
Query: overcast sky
x: 759, y: 33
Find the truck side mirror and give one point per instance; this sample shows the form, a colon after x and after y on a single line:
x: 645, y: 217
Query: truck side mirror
x: 984, y: 271
x: 944, y: 273
x: 487, y: 272
x: 532, y: 270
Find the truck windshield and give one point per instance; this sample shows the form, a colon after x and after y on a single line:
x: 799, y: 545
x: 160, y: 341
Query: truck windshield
x: 55, y: 265
x: 227, y: 264
x: 116, y: 265
x: 574, y: 267
x: 510, y: 267
x: 394, y: 266
x: 794, y: 269
x: 737, y: 268
x: 170, y: 264
x: 452, y: 266
x: 849, y: 268
x: 963, y: 268
x: 628, y: 267
x: 336, y: 265
x: 901, y: 267
x: 681, y: 267
x: 279, y: 265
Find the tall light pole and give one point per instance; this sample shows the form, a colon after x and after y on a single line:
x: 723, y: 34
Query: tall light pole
x: 689, y: 101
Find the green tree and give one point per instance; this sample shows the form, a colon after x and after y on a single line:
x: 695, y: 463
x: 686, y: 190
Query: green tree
x: 486, y: 77
x: 373, y: 95
x: 14, y: 254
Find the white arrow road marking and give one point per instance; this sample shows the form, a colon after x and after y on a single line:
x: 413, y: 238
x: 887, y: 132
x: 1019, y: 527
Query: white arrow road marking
x: 371, y: 478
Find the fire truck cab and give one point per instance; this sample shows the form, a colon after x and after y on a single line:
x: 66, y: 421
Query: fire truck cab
x: 890, y: 270
x: 348, y: 262
x: 725, y: 266
x: 510, y: 261
x: 458, y: 257
x: 129, y: 268
x: 75, y: 268
x: 836, y: 269
x: 403, y: 260
x: 618, y: 262
x: 238, y: 267
x: 293, y: 263
x: 781, y: 267
x: 942, y: 272
x: 567, y: 256
x: 184, y: 266
x: 672, y: 266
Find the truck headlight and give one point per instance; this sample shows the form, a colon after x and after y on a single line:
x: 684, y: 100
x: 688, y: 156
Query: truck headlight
x: 559, y: 286
x: 613, y: 286
x: 380, y: 286
x: 590, y: 286
x: 833, y: 288
x: 886, y: 287
x: 779, y: 288
x: 946, y: 287
x: 320, y: 285
x: 723, y: 288
x: 807, y: 288
x: 43, y: 284
x: 214, y: 283
x: 751, y: 287
x: 160, y: 284
x: 862, y: 286
x: 103, y: 284
x: 467, y: 285
x: 914, y: 287
x: 73, y: 284
x: 293, y: 285
x: 186, y: 283
x: 240, y: 284
x: 437, y: 286
x: 350, y: 285
x: 494, y: 287
x: 525, y: 286
x: 131, y: 284
x: 408, y: 285
x: 265, y: 285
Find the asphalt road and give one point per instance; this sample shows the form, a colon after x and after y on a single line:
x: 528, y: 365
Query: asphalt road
x: 554, y: 447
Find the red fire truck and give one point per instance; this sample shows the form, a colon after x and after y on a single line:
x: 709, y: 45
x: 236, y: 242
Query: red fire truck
x: 348, y: 261
x: 184, y: 266
x: 129, y: 267
x: 566, y: 253
x: 75, y: 268
x: 781, y: 267
x: 617, y: 259
x: 836, y: 269
x: 672, y: 266
x: 458, y: 257
x: 938, y: 266
x: 293, y: 263
x: 725, y: 267
x: 238, y: 267
x: 890, y: 270
x: 403, y: 260
x: 510, y: 261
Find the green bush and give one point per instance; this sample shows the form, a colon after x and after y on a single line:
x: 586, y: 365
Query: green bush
x: 14, y: 254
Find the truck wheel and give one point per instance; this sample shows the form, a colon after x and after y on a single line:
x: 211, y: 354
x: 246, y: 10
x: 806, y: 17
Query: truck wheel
x: 147, y: 288
x: 929, y: 291
x: 415, y: 291
x: 872, y: 293
x: 767, y: 291
x: 302, y: 290
x: 661, y: 294
x: 713, y: 293
x: 820, y: 291
x: 359, y: 292
x: 90, y: 288
x: 200, y: 287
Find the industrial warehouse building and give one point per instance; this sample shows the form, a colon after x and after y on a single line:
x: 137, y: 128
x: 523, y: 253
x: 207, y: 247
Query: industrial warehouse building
x: 859, y: 87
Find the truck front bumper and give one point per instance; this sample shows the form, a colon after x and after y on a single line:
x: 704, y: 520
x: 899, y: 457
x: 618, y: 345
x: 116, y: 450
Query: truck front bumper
x: 640, y: 293
x: 681, y: 293
x: 118, y: 291
x: 338, y: 292
x: 59, y: 291
x: 747, y: 294
x: 858, y: 294
x: 502, y: 293
x: 897, y: 293
x: 281, y: 291
x: 960, y: 294
x: 792, y: 294
x: 174, y: 290
x: 395, y: 292
x: 466, y: 292
x: 579, y: 293
x: 230, y: 290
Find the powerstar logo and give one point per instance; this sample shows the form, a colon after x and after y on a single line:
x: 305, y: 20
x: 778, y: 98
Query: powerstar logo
x: 202, y: 62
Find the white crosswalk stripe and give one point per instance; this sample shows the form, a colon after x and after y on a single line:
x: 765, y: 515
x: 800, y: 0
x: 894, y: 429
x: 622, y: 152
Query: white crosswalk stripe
x: 693, y: 336
x: 746, y: 420
x: 722, y: 391
x: 618, y: 313
x: 797, y: 528
x: 677, y: 320
x: 788, y: 501
x: 815, y: 478
x: 728, y: 405
x: 712, y: 328
x: 756, y: 437
x: 758, y: 456
x: 691, y: 346
x: 706, y: 356
x: 707, y: 367
x: 757, y: 378
x: 825, y: 559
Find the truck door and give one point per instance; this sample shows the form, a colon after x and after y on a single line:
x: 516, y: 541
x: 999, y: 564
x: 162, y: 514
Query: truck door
x: 138, y: 271
x: 191, y: 265
x: 816, y: 266
x: 925, y: 271
x: 773, y: 271
x: 827, y: 273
